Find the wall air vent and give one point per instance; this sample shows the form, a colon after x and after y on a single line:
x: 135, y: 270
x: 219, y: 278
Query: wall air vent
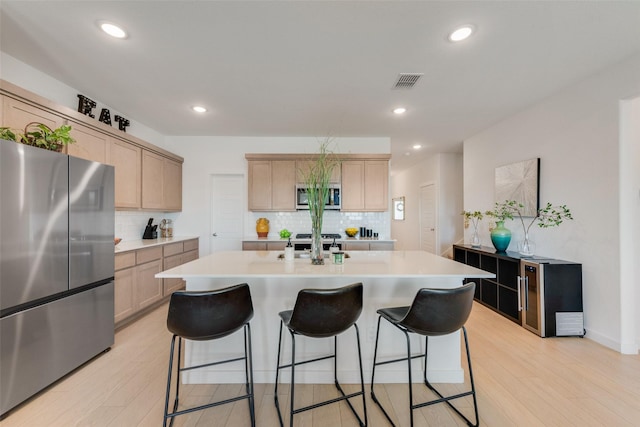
x: 407, y: 80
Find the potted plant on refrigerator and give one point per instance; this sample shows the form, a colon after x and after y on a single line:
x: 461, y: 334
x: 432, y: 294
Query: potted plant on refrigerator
x: 40, y: 135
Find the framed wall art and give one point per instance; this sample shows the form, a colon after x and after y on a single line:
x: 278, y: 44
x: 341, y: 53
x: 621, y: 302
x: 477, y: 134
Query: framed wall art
x: 520, y: 181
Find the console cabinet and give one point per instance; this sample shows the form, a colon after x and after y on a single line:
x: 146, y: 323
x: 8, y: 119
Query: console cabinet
x: 501, y: 293
x: 543, y: 295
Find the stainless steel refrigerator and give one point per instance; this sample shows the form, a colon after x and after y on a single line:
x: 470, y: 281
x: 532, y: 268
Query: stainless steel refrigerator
x: 56, y: 267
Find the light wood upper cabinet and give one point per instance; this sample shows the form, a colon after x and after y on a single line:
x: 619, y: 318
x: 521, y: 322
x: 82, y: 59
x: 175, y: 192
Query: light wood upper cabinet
x: 364, y: 180
x: 302, y: 166
x: 352, y: 185
x: 283, y: 185
x: 157, y: 186
x: 127, y: 160
x: 272, y: 185
x: 17, y: 114
x: 90, y: 144
x: 161, y: 182
x: 365, y: 185
x: 152, y: 180
x: 376, y: 185
x: 259, y: 185
x: 172, y: 185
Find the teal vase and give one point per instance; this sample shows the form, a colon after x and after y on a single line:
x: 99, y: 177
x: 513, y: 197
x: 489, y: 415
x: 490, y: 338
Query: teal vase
x: 500, y: 237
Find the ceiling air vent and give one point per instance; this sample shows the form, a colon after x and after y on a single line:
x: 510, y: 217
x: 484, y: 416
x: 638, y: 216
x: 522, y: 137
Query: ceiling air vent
x: 407, y: 80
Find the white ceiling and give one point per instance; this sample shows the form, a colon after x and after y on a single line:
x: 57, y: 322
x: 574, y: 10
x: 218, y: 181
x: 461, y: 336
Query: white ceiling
x: 319, y: 68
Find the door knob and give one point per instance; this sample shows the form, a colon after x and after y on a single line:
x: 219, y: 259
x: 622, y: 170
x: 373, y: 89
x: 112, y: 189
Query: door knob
x: 215, y: 234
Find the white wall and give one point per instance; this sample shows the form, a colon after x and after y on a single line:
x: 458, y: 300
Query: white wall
x: 445, y: 171
x: 630, y: 226
x: 205, y: 156
x: 576, y: 135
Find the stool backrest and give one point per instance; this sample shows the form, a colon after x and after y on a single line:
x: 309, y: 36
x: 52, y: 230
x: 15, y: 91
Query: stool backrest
x: 326, y: 312
x: 439, y: 311
x: 209, y: 315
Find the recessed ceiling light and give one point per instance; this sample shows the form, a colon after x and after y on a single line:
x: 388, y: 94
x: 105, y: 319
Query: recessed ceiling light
x: 461, y: 33
x: 417, y: 146
x: 199, y: 109
x: 113, y: 30
x: 399, y: 110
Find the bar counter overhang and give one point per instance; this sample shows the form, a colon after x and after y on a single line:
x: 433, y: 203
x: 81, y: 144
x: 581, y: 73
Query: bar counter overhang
x: 390, y: 278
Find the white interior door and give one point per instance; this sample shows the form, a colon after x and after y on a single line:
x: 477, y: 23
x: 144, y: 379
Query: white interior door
x: 227, y: 213
x: 428, y: 218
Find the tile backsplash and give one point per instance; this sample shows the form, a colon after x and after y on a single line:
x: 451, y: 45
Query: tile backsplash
x: 333, y: 222
x: 130, y: 224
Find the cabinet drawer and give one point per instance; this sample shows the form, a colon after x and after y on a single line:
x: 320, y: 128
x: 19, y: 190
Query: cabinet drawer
x: 381, y: 246
x: 127, y: 259
x: 254, y: 246
x: 173, y: 249
x: 191, y: 245
x: 149, y: 254
x: 189, y: 256
x: 276, y: 246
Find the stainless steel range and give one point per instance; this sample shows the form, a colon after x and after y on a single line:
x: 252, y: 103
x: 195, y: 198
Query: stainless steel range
x: 327, y: 240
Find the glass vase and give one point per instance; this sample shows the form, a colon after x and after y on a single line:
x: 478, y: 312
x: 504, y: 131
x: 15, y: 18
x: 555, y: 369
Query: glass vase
x: 526, y: 247
x: 475, y: 239
x: 317, y: 256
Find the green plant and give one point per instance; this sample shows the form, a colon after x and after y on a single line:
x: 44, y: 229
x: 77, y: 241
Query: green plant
x: 317, y: 178
x: 549, y: 216
x: 41, y: 135
x: 472, y: 217
x: 7, y: 134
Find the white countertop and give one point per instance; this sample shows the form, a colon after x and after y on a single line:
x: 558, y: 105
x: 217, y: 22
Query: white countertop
x: 132, y: 245
x: 359, y: 264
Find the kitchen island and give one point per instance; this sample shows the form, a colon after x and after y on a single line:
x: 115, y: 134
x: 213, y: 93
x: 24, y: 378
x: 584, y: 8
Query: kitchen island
x: 390, y: 278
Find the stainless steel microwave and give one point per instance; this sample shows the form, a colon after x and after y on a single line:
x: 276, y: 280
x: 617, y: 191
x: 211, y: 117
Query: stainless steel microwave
x: 331, y: 202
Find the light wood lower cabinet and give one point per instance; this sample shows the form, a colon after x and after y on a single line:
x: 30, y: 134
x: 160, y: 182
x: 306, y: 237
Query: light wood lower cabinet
x: 136, y: 287
x: 254, y: 246
x: 368, y: 246
x: 125, y: 294
x: 149, y: 288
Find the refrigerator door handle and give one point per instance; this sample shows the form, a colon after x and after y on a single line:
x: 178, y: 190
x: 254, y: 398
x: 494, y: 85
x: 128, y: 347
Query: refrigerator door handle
x: 519, y: 293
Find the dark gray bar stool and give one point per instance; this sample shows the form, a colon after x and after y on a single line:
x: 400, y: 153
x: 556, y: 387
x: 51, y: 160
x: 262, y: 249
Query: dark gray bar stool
x: 204, y: 316
x: 433, y: 312
x: 322, y: 313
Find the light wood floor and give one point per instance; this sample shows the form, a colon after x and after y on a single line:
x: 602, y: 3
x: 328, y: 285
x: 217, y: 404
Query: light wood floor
x: 521, y: 379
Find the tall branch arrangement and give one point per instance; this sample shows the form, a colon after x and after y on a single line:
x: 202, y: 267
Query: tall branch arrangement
x: 549, y: 216
x: 317, y: 178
